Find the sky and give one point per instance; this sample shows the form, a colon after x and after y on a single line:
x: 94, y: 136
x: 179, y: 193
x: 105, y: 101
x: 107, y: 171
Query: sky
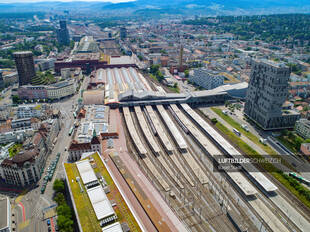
x: 13, y: 1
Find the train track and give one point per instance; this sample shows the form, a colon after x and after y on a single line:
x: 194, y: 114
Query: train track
x: 215, y: 214
x: 264, y: 199
x: 189, y: 218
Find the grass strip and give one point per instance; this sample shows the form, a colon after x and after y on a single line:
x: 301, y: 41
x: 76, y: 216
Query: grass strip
x: 251, y: 137
x: 301, y: 192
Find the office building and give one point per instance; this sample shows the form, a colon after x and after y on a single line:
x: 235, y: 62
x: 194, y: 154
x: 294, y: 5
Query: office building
x: 207, y: 79
x: 123, y: 32
x: 63, y: 33
x: 267, y: 91
x: 25, y: 67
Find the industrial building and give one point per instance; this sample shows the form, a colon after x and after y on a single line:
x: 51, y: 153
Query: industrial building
x: 267, y: 91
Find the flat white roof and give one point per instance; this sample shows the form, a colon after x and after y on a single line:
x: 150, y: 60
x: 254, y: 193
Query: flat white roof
x: 121, y: 60
x: 115, y: 227
x: 100, y: 202
x: 172, y: 127
x: 86, y: 171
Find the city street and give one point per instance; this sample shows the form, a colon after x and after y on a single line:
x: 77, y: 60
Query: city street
x: 29, y: 208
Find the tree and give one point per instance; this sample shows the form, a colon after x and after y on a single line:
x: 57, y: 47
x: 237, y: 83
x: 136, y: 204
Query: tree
x: 64, y: 210
x: 186, y: 72
x: 64, y: 224
x: 214, y: 120
x: 154, y: 68
x: 298, y: 142
x: 59, y: 186
x: 60, y: 199
x: 15, y: 99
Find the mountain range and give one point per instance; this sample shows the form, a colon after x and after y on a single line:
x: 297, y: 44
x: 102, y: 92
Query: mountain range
x: 153, y: 7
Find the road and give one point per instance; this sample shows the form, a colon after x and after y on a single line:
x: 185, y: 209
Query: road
x: 33, y: 201
x: 6, y: 97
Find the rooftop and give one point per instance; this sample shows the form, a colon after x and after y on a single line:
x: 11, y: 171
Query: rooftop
x: 86, y: 171
x: 121, y: 60
x: 87, y: 214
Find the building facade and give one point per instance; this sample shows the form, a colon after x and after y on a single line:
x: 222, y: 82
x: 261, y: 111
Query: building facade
x: 25, y: 67
x: 29, y: 111
x: 54, y: 91
x: 21, y: 124
x: 30, y: 92
x: 23, y: 169
x: 63, y: 33
x: 206, y: 78
x: 14, y: 136
x: 26, y: 167
x: 267, y: 91
x: 302, y: 128
x: 45, y: 64
x: 61, y: 90
x: 77, y: 149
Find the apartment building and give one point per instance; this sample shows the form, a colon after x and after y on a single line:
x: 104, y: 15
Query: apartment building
x: 302, y: 128
x: 267, y: 91
x: 207, y: 79
x: 29, y: 111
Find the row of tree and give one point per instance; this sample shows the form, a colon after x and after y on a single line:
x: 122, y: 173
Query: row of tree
x: 64, y: 212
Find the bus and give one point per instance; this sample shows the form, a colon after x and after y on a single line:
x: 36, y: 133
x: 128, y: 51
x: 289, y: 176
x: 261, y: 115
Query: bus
x: 71, y: 131
x: 236, y: 132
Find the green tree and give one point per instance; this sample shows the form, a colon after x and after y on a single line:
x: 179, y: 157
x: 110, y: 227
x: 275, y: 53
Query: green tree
x: 59, y: 186
x: 15, y: 99
x: 60, y: 199
x: 298, y: 142
x: 186, y: 72
x: 64, y: 210
x: 65, y: 224
x: 154, y: 68
x: 214, y: 120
